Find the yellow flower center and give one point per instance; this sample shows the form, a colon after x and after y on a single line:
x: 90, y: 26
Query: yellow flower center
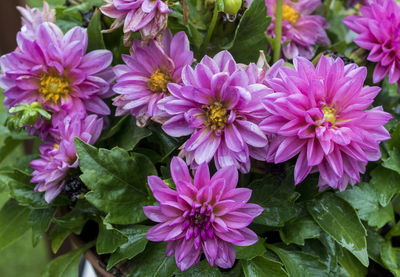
x: 53, y: 88
x: 329, y: 114
x: 289, y: 14
x: 158, y: 81
x: 216, y: 115
x: 56, y: 146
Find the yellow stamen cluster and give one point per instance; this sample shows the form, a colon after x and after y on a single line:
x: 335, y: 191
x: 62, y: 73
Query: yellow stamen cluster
x: 289, y: 14
x: 216, y: 115
x: 329, y: 114
x: 53, y: 88
x: 56, y: 146
x: 158, y: 81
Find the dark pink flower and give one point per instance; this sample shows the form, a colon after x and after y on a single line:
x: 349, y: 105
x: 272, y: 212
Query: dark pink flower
x: 320, y: 113
x: 55, y: 70
x: 143, y: 81
x: 58, y: 155
x: 300, y: 29
x: 202, y: 216
x: 149, y: 17
x: 378, y: 31
x: 219, y: 105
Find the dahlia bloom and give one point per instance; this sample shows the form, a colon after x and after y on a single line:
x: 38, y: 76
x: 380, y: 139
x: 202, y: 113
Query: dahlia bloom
x: 219, y: 106
x: 143, y: 81
x: 299, y: 27
x: 55, y: 71
x: 378, y: 31
x: 146, y: 16
x: 33, y: 17
x: 58, y: 155
x: 201, y: 216
x: 319, y: 113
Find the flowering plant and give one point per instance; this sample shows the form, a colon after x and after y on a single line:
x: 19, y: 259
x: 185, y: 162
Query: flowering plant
x: 226, y: 137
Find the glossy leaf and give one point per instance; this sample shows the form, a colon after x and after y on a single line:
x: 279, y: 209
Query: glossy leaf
x: 153, y: 262
x: 262, y: 266
x: 202, y: 269
x: 40, y: 220
x: 252, y: 251
x: 299, y: 229
x: 66, y: 265
x: 22, y: 189
x: 250, y: 35
x: 351, y: 265
x: 109, y: 239
x: 386, y: 183
x: 117, y: 181
x: 95, y: 37
x: 336, y: 217
x: 391, y: 257
x: 276, y: 199
x: 364, y: 198
x: 300, y: 264
x: 136, y: 243
x: 13, y: 222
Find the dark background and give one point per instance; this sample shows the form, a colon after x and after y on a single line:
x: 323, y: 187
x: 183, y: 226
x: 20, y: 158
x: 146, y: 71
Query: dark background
x: 10, y: 23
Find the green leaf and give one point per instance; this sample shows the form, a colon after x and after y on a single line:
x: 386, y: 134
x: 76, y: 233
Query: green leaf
x: 40, y: 220
x: 201, y: 270
x: 13, y: 222
x: 58, y: 235
x: 299, y: 263
x: 336, y: 217
x: 153, y: 262
x: 109, y: 239
x: 86, y: 5
x: 117, y: 181
x: 351, y: 265
x: 21, y: 189
x: 299, y: 229
x: 277, y: 200
x: 95, y: 37
x: 386, y: 183
x: 393, y: 161
x: 9, y: 146
x: 249, y: 252
x: 39, y: 3
x: 125, y: 133
x: 250, y: 35
x: 391, y: 257
x: 374, y: 243
x: 364, y: 198
x: 67, y: 20
x: 261, y: 266
x: 166, y: 144
x: 135, y: 245
x: 66, y: 265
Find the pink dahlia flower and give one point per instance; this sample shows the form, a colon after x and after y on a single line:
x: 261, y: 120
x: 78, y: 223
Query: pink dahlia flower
x: 55, y: 71
x: 58, y: 156
x: 143, y: 81
x: 378, y: 31
x: 301, y: 29
x: 32, y: 18
x: 320, y: 113
x: 146, y: 16
x: 202, y: 216
x: 219, y: 106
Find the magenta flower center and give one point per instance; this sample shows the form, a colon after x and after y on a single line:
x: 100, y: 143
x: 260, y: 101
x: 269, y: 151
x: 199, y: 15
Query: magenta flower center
x: 158, y: 81
x: 197, y: 223
x: 289, y: 14
x: 216, y: 116
x: 329, y: 114
x: 53, y: 88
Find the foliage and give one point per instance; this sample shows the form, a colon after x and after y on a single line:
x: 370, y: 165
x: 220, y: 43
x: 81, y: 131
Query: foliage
x: 302, y: 232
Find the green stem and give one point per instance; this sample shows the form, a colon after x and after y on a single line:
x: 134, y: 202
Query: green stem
x: 278, y: 30
x: 328, y: 6
x: 210, y: 30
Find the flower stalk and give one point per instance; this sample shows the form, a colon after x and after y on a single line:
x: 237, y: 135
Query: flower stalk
x: 278, y: 30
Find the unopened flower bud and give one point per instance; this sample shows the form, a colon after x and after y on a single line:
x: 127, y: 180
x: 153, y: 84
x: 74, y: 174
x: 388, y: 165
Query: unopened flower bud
x: 26, y: 114
x: 232, y: 6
